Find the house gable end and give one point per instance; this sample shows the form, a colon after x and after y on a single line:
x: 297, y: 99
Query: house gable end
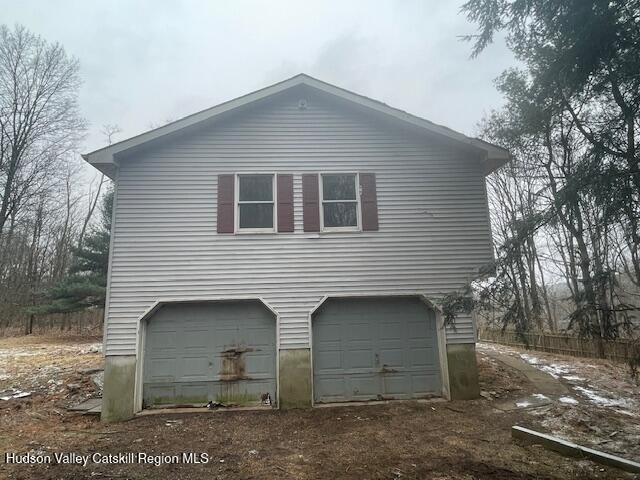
x: 106, y: 158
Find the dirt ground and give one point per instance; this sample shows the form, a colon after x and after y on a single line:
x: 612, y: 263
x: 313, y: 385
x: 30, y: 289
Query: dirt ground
x: 601, y: 409
x: 398, y: 440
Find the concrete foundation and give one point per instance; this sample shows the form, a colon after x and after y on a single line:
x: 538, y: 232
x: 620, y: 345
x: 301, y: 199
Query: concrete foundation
x: 295, y: 378
x: 118, y: 400
x: 463, y: 371
x: 119, y: 387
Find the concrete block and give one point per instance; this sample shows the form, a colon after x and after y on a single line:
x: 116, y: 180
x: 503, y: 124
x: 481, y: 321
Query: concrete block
x: 295, y: 378
x: 119, y: 386
x: 573, y: 450
x: 463, y: 371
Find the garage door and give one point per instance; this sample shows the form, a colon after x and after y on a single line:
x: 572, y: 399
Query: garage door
x: 217, y: 351
x: 370, y: 349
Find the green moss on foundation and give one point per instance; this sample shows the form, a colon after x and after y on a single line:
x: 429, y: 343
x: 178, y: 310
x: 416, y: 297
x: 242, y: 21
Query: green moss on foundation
x: 295, y: 378
x: 119, y: 386
x: 463, y: 372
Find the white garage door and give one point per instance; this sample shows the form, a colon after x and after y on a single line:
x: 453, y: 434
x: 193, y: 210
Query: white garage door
x: 368, y: 349
x: 224, y: 352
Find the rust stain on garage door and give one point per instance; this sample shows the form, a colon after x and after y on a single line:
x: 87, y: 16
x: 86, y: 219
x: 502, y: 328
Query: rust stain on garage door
x: 233, y: 367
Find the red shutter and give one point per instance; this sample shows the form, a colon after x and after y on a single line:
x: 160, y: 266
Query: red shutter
x: 285, y: 203
x: 310, y: 202
x: 226, y: 200
x: 368, y: 201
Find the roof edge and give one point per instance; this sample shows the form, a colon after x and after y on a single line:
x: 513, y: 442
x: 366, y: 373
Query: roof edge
x: 494, y: 157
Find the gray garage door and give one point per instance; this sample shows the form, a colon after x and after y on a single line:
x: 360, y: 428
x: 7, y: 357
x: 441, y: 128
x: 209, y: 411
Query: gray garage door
x: 368, y: 349
x: 216, y: 351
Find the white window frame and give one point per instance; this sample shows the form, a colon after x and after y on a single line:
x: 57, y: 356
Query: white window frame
x: 237, y: 202
x: 355, y: 228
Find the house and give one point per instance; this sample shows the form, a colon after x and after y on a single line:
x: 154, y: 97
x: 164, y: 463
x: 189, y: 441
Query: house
x: 292, y: 242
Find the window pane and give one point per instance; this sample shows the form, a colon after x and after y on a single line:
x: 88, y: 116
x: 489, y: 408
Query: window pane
x: 256, y: 215
x: 256, y: 187
x: 340, y: 214
x: 339, y: 187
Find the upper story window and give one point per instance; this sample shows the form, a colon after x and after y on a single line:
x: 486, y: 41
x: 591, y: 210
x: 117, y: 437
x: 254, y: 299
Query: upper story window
x: 256, y: 211
x: 340, y: 206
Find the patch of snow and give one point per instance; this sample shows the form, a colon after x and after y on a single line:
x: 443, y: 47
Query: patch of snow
x: 594, y: 397
x: 529, y: 359
x: 490, y: 346
x: 573, y: 378
x: 16, y: 353
x: 541, y: 396
x: 27, y: 351
x: 568, y: 400
x: 523, y: 404
x: 93, y: 348
x: 13, y: 393
x: 555, y: 370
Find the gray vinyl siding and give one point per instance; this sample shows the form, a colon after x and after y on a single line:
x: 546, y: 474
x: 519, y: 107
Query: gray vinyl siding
x: 434, y: 230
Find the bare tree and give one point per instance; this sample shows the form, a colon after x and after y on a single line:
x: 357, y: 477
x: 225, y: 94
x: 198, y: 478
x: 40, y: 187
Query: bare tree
x: 40, y: 128
x: 109, y: 131
x: 39, y: 116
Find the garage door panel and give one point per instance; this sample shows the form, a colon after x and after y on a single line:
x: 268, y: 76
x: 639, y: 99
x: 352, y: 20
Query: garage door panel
x: 420, y: 357
x: 208, y: 351
x: 163, y: 369
x: 391, y: 345
x: 420, y: 383
x: 425, y: 384
x: 196, y: 338
x: 330, y: 359
x: 358, y: 346
x: 234, y: 391
x: 392, y: 358
x: 357, y: 333
x: 194, y: 368
x: 333, y: 387
x: 332, y: 333
x: 392, y: 330
x: 419, y: 329
x: 395, y: 385
x: 393, y: 338
x: 362, y: 386
x: 259, y: 364
x: 160, y: 391
x: 192, y: 391
x: 258, y: 339
x: 164, y: 340
x: 329, y: 346
x: 227, y: 336
x: 358, y: 359
x: 383, y: 347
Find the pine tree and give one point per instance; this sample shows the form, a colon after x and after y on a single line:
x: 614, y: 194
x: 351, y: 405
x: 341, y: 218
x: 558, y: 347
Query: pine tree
x: 85, y: 285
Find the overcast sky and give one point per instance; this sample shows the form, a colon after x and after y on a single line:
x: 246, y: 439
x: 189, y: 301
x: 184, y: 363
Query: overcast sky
x: 146, y: 62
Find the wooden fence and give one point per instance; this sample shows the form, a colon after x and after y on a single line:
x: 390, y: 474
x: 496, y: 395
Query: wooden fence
x: 620, y: 350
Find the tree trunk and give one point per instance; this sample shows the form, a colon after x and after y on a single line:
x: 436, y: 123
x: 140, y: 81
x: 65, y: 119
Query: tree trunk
x: 28, y: 328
